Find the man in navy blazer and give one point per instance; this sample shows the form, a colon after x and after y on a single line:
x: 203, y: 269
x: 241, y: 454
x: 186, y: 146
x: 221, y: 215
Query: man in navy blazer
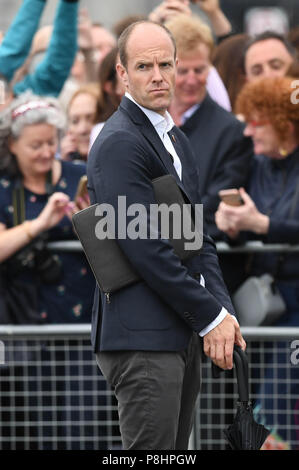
x: 148, y: 336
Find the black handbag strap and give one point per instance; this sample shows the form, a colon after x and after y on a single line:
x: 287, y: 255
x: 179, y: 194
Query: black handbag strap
x: 18, y: 198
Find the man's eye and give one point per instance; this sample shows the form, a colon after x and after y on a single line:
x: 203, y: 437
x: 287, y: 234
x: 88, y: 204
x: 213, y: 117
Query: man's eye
x: 141, y: 67
x: 276, y: 65
x: 257, y: 71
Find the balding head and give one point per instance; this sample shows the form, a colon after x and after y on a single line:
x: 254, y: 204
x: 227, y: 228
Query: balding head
x: 141, y: 28
x: 148, y: 64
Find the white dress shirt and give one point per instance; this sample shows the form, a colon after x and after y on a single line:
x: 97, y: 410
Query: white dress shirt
x: 162, y: 125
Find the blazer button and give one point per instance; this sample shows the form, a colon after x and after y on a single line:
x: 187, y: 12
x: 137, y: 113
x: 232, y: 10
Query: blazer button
x: 190, y: 318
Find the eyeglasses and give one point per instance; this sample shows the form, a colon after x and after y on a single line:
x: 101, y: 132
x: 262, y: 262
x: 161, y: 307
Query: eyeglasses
x: 255, y: 124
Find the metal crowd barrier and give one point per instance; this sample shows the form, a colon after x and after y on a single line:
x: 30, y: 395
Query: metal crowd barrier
x: 53, y: 396
x: 273, y: 354
x: 222, y: 247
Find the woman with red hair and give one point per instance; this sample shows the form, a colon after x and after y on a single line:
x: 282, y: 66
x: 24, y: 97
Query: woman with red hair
x: 270, y: 212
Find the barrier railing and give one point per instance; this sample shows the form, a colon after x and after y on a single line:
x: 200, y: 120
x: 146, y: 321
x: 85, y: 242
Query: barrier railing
x: 273, y: 354
x: 222, y: 247
x: 54, y: 397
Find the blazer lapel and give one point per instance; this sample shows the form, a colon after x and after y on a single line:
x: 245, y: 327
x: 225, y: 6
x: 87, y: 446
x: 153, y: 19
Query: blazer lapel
x: 176, y: 143
x: 150, y: 134
x: 154, y: 140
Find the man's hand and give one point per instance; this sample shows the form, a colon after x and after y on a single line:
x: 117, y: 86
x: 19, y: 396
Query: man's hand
x: 168, y: 9
x: 219, y: 22
x: 219, y: 342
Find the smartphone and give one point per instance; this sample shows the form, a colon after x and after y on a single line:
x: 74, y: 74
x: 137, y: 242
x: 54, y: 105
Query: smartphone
x: 82, y: 188
x: 231, y: 197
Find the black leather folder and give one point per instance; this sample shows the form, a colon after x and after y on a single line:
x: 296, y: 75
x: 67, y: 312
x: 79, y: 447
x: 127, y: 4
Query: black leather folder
x: 110, y: 266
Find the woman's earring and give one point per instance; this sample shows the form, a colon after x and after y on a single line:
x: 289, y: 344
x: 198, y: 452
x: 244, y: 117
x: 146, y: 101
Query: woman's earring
x: 283, y: 152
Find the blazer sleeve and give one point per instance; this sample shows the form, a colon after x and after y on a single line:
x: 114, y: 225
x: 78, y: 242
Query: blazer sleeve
x: 124, y: 168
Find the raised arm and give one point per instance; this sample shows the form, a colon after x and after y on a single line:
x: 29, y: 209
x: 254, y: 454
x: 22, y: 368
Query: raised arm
x: 51, y: 73
x: 17, y: 41
x: 220, y: 24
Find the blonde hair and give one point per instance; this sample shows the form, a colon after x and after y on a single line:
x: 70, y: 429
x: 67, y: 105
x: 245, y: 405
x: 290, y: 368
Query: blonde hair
x: 92, y: 89
x: 189, y: 32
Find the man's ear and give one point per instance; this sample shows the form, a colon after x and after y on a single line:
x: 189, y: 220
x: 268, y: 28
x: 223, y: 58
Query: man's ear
x: 122, y: 72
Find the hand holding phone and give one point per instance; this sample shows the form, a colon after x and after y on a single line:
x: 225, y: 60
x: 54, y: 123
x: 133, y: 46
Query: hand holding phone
x: 82, y: 192
x: 231, y: 197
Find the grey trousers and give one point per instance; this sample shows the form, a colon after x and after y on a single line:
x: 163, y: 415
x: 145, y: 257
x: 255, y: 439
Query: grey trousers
x: 156, y: 394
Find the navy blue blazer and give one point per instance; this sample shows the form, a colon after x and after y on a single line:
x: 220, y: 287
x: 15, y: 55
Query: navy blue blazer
x: 162, y: 310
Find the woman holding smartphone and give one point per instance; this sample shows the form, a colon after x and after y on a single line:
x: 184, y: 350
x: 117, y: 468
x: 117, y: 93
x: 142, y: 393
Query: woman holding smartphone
x: 36, y: 203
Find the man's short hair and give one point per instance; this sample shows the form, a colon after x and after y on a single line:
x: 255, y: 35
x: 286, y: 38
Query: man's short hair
x: 125, y: 35
x: 271, y: 35
x: 189, y: 32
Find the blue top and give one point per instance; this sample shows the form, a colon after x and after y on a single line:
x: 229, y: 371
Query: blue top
x: 273, y: 184
x: 50, y: 75
x: 70, y: 299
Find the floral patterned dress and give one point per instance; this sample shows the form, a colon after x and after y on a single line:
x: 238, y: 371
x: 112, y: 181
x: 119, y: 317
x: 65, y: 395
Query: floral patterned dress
x: 69, y: 300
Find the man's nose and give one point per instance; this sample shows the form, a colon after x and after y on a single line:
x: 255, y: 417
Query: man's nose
x: 157, y: 76
x: 192, y: 78
x: 248, y: 130
x: 269, y: 72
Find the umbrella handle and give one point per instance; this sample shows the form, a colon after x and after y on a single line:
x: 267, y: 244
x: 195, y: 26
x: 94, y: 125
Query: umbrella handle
x: 241, y: 365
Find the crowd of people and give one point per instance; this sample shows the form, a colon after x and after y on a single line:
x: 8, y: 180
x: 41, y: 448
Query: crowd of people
x: 232, y: 100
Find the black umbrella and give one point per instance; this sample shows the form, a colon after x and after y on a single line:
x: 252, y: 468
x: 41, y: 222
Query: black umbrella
x: 244, y: 433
